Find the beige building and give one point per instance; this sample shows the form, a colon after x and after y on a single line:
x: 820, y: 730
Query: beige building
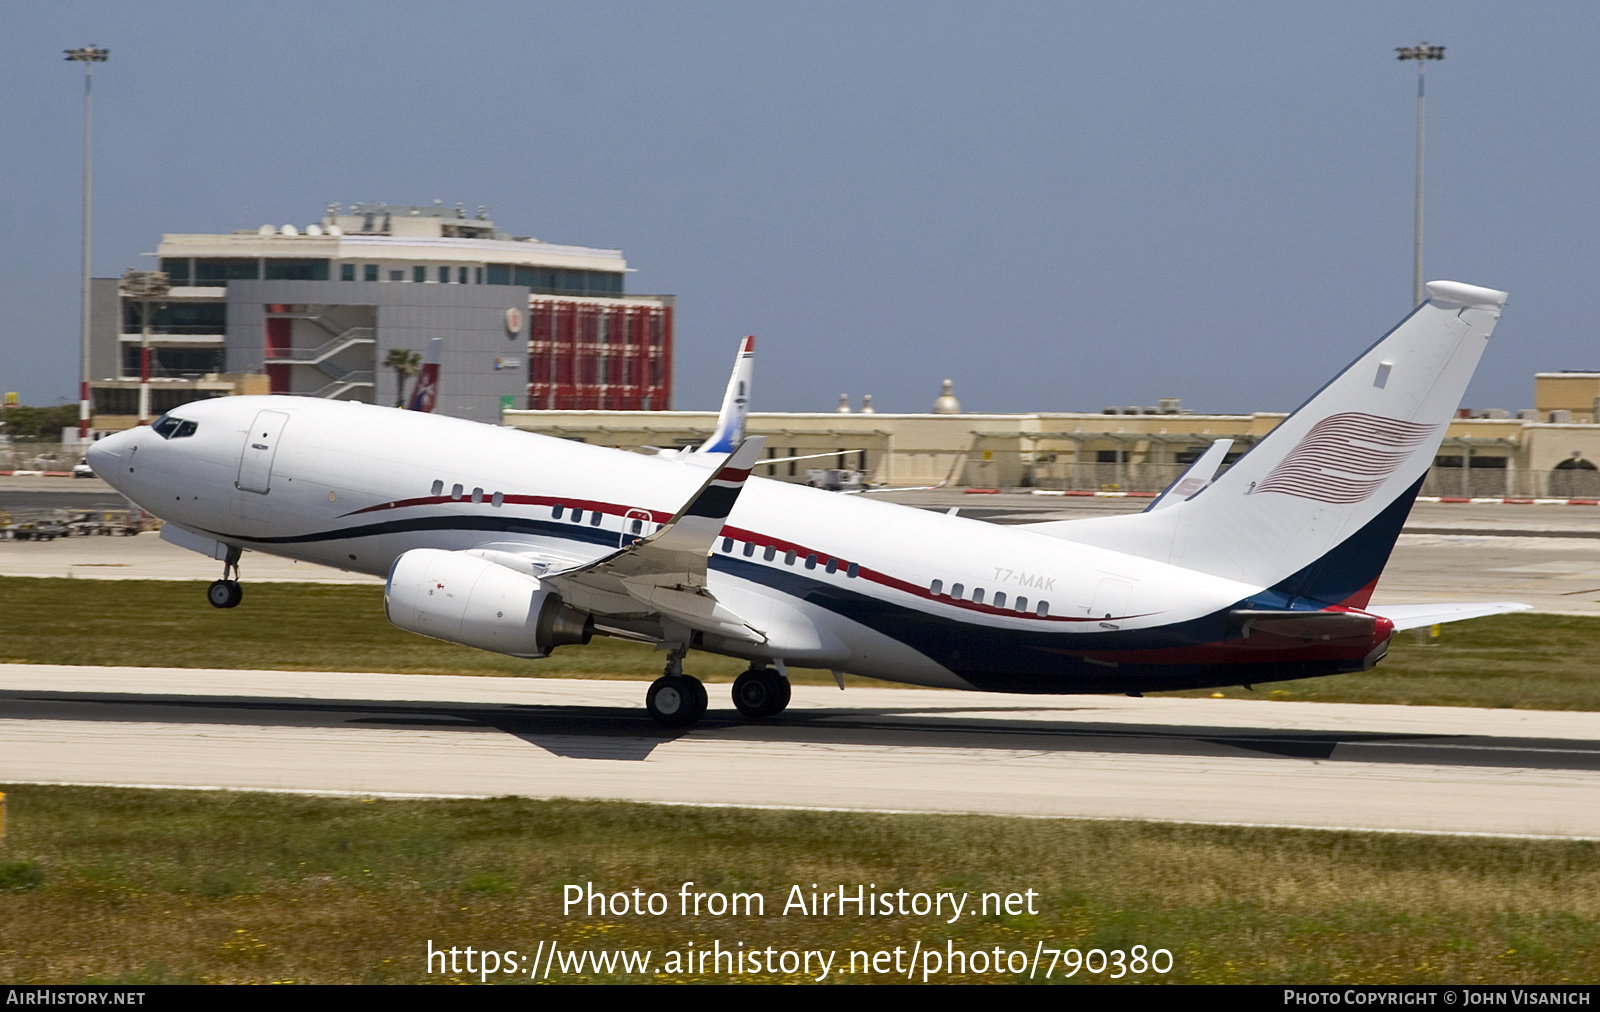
x: 1567, y: 396
x: 1080, y: 451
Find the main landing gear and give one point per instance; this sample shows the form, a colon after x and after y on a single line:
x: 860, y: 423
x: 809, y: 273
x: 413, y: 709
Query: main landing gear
x: 226, y: 592
x: 760, y: 692
x: 679, y: 700
x: 676, y: 699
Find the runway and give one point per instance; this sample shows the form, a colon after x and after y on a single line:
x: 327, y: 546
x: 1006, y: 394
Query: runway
x: 1430, y: 769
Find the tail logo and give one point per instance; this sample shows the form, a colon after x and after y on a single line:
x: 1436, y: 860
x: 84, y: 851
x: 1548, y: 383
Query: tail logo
x: 1345, y: 457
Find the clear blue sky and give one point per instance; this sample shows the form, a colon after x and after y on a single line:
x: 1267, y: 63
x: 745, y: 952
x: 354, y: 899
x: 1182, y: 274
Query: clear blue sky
x: 1060, y: 206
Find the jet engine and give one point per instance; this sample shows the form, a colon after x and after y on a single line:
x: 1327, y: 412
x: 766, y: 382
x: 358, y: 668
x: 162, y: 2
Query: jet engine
x: 464, y: 599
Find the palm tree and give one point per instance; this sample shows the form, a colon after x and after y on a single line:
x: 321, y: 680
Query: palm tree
x: 404, y: 362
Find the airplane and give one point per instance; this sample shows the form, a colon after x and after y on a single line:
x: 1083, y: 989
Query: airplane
x: 520, y: 543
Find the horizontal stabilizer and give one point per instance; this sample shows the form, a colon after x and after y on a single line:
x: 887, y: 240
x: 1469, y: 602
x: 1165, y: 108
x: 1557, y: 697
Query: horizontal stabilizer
x: 1415, y: 616
x: 1305, y: 626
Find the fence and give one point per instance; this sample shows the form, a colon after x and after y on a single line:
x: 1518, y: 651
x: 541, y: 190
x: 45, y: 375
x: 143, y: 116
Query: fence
x: 39, y: 456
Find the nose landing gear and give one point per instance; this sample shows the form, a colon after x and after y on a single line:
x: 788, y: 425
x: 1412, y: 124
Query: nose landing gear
x: 226, y: 592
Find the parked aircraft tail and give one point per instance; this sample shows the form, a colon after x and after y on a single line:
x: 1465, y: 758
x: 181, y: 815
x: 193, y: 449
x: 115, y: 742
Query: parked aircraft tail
x: 425, y: 391
x: 735, y: 403
x: 1312, y: 511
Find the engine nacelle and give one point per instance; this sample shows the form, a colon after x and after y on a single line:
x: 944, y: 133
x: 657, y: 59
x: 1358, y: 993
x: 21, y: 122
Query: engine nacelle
x: 464, y: 599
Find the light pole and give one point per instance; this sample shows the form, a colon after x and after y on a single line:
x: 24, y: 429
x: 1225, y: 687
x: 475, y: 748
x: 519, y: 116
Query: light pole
x: 88, y: 56
x: 1422, y: 53
x: 146, y: 286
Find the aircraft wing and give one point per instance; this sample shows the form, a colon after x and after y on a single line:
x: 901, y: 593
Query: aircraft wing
x: 1415, y: 616
x: 665, y: 573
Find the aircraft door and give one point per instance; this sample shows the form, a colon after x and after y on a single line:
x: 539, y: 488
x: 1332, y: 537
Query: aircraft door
x: 636, y: 526
x: 260, y: 446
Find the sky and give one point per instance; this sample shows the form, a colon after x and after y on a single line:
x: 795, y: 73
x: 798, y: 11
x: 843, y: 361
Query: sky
x: 1059, y: 206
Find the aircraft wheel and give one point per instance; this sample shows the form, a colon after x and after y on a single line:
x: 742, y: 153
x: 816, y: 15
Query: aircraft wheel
x: 760, y: 692
x: 676, y: 700
x: 225, y: 594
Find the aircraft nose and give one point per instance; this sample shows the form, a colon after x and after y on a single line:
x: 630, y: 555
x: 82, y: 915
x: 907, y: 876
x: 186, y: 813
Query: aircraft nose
x: 105, y: 455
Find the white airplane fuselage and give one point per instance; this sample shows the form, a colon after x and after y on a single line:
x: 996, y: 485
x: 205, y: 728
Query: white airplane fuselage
x: 831, y: 581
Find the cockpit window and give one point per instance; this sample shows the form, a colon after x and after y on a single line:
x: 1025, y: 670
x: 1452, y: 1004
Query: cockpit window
x: 168, y: 427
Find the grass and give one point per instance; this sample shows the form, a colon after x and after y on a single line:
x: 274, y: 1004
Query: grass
x: 138, y: 887
x: 1526, y: 661
x: 286, y: 627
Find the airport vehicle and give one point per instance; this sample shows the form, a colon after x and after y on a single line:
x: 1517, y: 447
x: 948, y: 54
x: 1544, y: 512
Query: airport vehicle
x: 82, y: 469
x: 520, y: 543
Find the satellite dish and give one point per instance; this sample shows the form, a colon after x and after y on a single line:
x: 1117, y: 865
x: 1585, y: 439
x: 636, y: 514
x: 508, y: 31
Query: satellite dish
x: 313, y: 230
x: 265, y: 230
x: 289, y: 231
x: 335, y: 230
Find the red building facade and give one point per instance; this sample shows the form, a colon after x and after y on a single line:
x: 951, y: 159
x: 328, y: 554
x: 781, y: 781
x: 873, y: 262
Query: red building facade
x: 603, y: 354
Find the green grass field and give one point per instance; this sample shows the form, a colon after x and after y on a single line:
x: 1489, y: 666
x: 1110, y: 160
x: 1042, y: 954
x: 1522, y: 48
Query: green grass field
x: 130, y: 886
x: 1527, y: 661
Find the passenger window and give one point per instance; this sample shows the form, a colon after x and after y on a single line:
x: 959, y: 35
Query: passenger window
x: 556, y: 511
x: 638, y: 526
x: 496, y: 500
x: 477, y: 495
x: 438, y: 487
x: 833, y: 565
x: 957, y: 590
x: 727, y: 543
x: 577, y: 516
x: 594, y: 518
x: 770, y: 554
x: 455, y: 491
x: 977, y: 596
x: 811, y: 562
x: 1022, y: 605
x: 788, y: 557
x: 999, y: 599
x: 1044, y: 608
x: 936, y: 588
x: 749, y: 549
x: 852, y: 571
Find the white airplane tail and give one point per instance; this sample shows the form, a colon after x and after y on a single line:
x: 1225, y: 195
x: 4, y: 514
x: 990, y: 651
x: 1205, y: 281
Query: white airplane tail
x: 1313, y: 510
x: 425, y: 390
x: 735, y: 403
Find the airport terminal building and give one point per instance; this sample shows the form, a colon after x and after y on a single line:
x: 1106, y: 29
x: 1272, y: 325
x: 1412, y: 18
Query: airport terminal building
x: 317, y: 310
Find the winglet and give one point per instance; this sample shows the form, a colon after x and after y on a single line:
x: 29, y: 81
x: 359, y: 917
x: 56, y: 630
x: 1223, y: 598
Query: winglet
x: 735, y: 402
x: 425, y: 391
x: 1195, y: 479
x: 700, y: 521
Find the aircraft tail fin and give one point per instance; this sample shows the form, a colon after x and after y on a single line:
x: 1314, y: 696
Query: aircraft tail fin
x: 1313, y: 510
x: 1196, y: 478
x: 735, y: 403
x: 425, y: 391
